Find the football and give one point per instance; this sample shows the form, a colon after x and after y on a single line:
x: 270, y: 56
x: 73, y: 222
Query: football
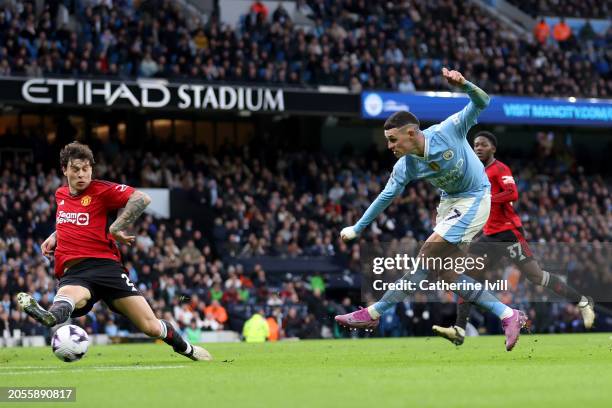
x: 70, y: 343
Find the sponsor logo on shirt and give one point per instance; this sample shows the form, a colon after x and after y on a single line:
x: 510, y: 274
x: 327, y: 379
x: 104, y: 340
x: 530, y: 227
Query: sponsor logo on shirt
x: 450, y: 177
x: 85, y: 201
x: 64, y: 217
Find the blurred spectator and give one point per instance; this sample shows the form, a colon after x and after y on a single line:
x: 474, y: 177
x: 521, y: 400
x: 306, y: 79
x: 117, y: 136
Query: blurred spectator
x: 216, y: 311
x: 541, y: 31
x: 587, y: 33
x: 193, y: 332
x: 562, y: 32
x: 256, y: 329
x: 210, y: 323
x: 259, y: 8
x: 292, y: 325
x: 273, y: 328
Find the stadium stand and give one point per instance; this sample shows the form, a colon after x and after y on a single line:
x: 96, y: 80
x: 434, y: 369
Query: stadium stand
x: 578, y: 8
x: 360, y: 45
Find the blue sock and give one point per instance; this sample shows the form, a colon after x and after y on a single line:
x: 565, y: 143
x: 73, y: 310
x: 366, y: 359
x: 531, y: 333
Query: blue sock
x: 483, y: 298
x: 393, y: 297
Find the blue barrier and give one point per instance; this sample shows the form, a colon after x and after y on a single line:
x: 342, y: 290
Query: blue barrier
x: 436, y: 106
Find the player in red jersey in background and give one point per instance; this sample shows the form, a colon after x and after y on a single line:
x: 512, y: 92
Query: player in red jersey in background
x: 87, y: 260
x: 503, y: 235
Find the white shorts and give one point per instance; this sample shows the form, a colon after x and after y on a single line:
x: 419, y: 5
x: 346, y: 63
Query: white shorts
x: 460, y: 219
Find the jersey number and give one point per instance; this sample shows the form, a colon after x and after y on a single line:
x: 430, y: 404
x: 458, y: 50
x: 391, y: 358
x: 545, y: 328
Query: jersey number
x: 128, y: 282
x: 457, y: 215
x: 516, y: 251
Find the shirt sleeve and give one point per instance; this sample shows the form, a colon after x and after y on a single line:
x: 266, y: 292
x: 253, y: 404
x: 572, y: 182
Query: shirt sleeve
x: 396, y: 184
x: 460, y: 123
x: 509, y: 192
x: 116, y: 196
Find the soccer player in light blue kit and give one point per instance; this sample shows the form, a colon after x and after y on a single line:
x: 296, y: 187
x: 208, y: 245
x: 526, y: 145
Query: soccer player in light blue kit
x: 441, y: 155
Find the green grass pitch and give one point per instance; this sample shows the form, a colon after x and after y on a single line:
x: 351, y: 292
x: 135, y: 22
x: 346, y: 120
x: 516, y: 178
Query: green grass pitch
x: 543, y: 371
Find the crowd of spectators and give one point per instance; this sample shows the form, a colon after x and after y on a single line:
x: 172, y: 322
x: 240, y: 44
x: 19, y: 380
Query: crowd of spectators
x: 565, y: 8
x: 359, y: 44
x: 284, y: 204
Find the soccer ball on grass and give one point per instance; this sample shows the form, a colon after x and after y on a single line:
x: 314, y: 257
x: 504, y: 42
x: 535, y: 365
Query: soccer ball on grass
x: 70, y: 343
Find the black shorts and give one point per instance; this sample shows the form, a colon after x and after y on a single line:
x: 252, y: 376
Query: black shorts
x: 106, y: 280
x: 510, y: 243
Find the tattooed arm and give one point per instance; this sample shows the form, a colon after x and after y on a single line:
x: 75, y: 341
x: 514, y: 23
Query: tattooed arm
x: 133, y: 209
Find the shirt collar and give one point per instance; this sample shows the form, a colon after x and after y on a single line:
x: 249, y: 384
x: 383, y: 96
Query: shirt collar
x: 425, y: 150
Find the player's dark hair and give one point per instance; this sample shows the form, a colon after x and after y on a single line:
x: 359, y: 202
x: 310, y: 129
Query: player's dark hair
x: 76, y: 151
x: 488, y: 135
x: 399, y: 119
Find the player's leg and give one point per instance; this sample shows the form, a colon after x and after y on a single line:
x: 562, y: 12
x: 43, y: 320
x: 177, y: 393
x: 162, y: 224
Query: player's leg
x: 537, y: 275
x: 512, y: 320
x: 141, y: 315
x: 486, y: 251
x: 68, y: 299
x: 458, y: 221
x: 438, y: 247
x: 368, y: 318
x: 522, y: 256
x: 462, y: 229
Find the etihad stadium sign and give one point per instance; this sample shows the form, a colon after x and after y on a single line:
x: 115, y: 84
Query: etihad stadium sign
x: 151, y: 94
x: 161, y: 94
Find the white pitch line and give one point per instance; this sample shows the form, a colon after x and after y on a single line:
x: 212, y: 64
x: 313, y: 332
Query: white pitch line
x: 37, y: 370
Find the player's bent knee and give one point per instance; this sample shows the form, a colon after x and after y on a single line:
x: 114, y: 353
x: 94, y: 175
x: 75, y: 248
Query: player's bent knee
x: 534, y: 277
x: 79, y: 294
x: 532, y: 272
x: 80, y: 304
x: 151, y: 328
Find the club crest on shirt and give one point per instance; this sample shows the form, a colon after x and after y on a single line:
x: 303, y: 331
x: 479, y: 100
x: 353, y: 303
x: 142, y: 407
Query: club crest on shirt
x: 85, y: 201
x: 447, y: 155
x: 434, y: 166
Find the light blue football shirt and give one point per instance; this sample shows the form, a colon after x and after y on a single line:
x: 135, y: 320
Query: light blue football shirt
x: 449, y: 163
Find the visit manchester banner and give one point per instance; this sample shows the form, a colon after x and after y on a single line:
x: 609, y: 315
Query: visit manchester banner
x: 437, y: 106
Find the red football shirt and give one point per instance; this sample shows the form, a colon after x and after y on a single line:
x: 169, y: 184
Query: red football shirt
x: 503, y: 193
x: 81, y: 222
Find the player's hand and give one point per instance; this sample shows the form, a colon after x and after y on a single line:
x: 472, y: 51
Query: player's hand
x: 48, y: 247
x: 453, y: 77
x: 348, y: 234
x: 123, y: 238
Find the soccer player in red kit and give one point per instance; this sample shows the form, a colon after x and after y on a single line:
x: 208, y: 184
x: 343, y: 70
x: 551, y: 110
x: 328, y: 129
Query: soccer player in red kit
x: 87, y: 259
x: 504, y: 227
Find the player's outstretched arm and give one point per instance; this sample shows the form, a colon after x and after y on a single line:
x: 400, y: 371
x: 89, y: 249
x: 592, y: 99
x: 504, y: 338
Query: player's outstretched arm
x: 135, y: 206
x: 392, y: 190
x: 477, y: 95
